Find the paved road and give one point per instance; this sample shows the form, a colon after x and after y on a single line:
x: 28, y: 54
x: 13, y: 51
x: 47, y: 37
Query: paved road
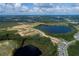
x: 62, y: 47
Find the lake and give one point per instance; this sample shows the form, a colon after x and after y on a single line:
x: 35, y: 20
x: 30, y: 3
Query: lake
x: 54, y: 29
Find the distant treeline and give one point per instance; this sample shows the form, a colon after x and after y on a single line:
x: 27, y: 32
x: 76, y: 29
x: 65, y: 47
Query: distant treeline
x: 37, y: 18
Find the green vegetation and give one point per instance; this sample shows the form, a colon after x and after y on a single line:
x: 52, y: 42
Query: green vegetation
x: 73, y: 50
x: 7, y: 47
x: 9, y: 41
x: 67, y: 36
x: 8, y: 35
x: 7, y: 24
x: 44, y: 44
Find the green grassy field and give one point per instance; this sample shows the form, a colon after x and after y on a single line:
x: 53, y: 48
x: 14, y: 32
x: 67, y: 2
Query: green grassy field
x: 73, y: 50
x: 14, y: 41
x: 44, y: 44
x: 9, y: 41
x: 7, y: 24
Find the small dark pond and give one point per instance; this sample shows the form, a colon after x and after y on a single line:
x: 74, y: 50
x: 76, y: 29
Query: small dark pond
x: 54, y: 29
x: 28, y: 50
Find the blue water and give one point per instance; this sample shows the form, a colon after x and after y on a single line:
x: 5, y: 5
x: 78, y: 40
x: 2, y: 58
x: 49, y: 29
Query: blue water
x: 54, y: 29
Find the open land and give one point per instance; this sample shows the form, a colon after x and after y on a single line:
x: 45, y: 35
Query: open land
x: 18, y: 34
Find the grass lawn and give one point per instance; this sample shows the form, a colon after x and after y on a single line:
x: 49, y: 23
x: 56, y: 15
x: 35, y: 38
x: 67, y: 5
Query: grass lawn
x: 73, y: 50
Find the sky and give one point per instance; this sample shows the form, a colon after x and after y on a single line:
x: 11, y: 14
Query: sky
x: 39, y: 8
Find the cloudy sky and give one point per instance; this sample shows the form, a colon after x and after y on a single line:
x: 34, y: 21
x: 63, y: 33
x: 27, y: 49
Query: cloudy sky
x: 39, y: 9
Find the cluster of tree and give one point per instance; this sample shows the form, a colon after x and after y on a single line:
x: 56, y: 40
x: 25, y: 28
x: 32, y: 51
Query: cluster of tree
x: 9, y: 35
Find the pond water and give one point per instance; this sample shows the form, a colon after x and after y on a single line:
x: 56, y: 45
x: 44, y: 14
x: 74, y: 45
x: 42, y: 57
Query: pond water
x: 54, y: 29
x: 28, y: 50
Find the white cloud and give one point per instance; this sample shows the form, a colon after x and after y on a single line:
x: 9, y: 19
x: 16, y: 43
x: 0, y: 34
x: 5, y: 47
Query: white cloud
x: 38, y: 8
x: 24, y: 9
x: 35, y: 10
x: 17, y: 5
